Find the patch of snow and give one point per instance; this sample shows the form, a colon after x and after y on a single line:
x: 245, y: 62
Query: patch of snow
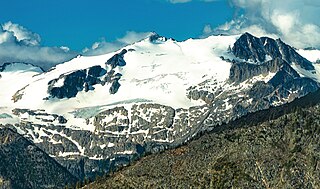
x: 96, y: 158
x: 110, y: 145
x: 125, y: 152
x: 59, y: 83
x: 65, y: 154
x: 227, y: 105
x: 313, y: 74
x: 268, y: 58
x: 311, y: 55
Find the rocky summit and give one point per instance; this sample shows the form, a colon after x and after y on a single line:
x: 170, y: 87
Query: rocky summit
x: 96, y: 114
x: 249, y: 47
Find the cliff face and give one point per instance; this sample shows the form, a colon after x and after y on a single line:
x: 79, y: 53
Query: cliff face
x: 249, y: 47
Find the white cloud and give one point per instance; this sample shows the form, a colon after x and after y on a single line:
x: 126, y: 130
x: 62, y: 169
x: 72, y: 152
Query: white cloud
x: 294, y: 21
x: 6, y: 37
x: 18, y: 44
x: 187, y: 1
x: 179, y: 1
x: 22, y: 34
x: 132, y: 37
x: 102, y: 46
x: 207, y: 29
x: 65, y: 49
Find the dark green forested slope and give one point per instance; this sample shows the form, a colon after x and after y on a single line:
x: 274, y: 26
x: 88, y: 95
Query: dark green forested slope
x: 23, y: 165
x: 279, y: 149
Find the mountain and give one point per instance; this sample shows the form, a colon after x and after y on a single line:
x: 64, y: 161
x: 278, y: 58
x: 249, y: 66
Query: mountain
x: 23, y: 165
x: 275, y: 148
x: 94, y: 114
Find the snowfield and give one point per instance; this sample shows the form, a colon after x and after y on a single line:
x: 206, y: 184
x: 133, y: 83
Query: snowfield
x: 158, y: 72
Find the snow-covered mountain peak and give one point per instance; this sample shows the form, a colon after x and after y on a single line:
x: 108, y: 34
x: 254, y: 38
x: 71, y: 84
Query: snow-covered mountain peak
x: 152, y: 93
x: 158, y: 72
x: 156, y: 38
x: 161, y: 71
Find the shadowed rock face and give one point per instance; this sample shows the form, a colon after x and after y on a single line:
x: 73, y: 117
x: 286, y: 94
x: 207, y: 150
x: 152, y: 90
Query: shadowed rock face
x: 156, y: 38
x: 260, y: 89
x: 117, y: 59
x: 284, y: 75
x: 73, y: 83
x: 24, y: 165
x: 96, y: 71
x: 114, y: 87
x: 240, y: 72
x: 286, y: 83
x: 249, y: 47
x: 291, y: 56
x: 84, y: 80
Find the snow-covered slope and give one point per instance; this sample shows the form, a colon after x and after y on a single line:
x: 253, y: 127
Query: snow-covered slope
x: 311, y: 55
x: 14, y: 77
x: 155, y: 72
x: 151, y: 95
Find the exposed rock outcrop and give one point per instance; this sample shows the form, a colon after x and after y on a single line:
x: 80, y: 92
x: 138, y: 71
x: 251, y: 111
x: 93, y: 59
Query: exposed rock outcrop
x: 117, y: 59
x: 68, y: 85
x: 72, y: 84
x: 249, y: 47
x: 118, y: 139
x: 156, y: 38
x: 240, y: 72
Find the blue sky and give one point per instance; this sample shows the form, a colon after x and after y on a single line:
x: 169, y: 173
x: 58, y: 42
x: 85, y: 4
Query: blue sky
x: 78, y: 24
x: 49, y: 32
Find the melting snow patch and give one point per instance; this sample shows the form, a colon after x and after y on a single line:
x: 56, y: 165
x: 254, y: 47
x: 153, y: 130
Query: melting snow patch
x: 59, y: 83
x: 111, y: 145
x: 65, y: 154
x: 126, y: 152
x: 228, y: 106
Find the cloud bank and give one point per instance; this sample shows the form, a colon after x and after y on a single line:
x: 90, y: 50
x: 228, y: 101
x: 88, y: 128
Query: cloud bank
x: 294, y: 21
x: 186, y: 1
x: 18, y: 44
x: 103, y: 46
